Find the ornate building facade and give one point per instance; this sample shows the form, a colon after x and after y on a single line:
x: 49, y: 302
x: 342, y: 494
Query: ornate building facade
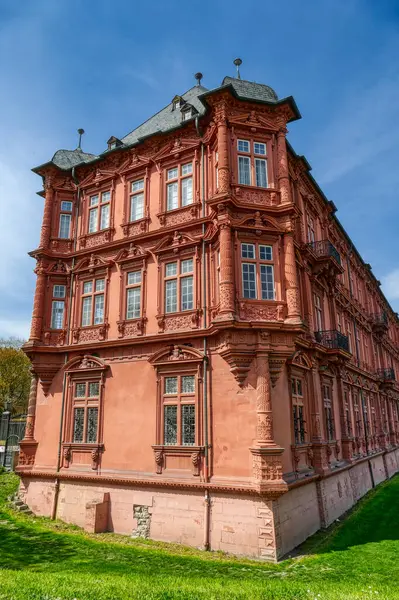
x: 213, y: 362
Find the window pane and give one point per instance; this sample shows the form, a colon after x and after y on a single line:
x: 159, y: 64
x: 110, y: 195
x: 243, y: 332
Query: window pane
x: 187, y: 169
x: 105, y: 197
x: 172, y: 173
x: 100, y: 285
x: 170, y: 269
x: 138, y: 185
x: 247, y: 250
x: 267, y: 282
x: 94, y: 389
x: 133, y: 301
x: 93, y: 200
x: 187, y: 191
x: 93, y: 220
x: 98, y: 309
x: 265, y: 253
x: 188, y: 384
x: 244, y: 171
x: 80, y: 390
x: 104, y: 221
x: 92, y: 425
x: 134, y: 277
x: 86, y: 311
x: 186, y: 266
x: 299, y: 387
x: 171, y: 296
x: 170, y: 425
x: 66, y: 206
x: 79, y: 415
x: 188, y: 424
x: 259, y: 148
x: 172, y: 196
x: 249, y: 281
x: 260, y: 170
x: 65, y: 226
x: 137, y: 207
x: 187, y: 298
x: 87, y: 287
x: 57, y: 314
x: 59, y: 291
x: 243, y: 145
x: 170, y: 385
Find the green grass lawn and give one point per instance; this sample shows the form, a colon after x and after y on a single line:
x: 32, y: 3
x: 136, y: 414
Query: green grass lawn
x: 44, y: 560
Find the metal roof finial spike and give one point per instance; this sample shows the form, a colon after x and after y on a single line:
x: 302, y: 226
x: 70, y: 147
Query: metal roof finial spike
x: 198, y: 77
x: 237, y: 63
x: 80, y: 132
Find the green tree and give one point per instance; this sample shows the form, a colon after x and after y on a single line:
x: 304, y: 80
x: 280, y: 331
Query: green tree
x: 14, y: 378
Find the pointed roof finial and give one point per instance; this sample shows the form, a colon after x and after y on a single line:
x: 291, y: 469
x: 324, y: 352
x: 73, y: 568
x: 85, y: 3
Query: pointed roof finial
x: 198, y: 77
x: 80, y: 132
x: 237, y: 63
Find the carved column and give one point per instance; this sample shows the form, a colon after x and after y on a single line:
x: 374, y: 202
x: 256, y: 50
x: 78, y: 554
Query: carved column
x: 226, y: 292
x: 308, y: 302
x: 28, y: 445
x: 345, y: 438
x: 283, y: 176
x: 392, y: 436
x: 291, y: 281
x: 223, y: 150
x: 38, y: 304
x: 45, y: 232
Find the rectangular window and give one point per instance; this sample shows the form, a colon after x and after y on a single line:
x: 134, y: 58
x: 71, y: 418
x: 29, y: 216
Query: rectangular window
x: 242, y: 146
x: 298, y: 410
x: 179, y: 286
x: 65, y: 226
x: 258, y: 274
x: 328, y: 411
x: 244, y: 170
x: 252, y: 166
x: 179, y: 412
x: 85, y: 412
x: 318, y: 312
x: 179, y: 189
x: 172, y: 200
x: 57, y: 314
x: 311, y: 230
x: 133, y: 295
x: 137, y: 200
x: 260, y: 172
x: 260, y: 148
x: 99, y: 212
x: 93, y: 302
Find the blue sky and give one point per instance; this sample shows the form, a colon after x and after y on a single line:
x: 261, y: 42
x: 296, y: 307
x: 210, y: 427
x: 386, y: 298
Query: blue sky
x: 108, y: 65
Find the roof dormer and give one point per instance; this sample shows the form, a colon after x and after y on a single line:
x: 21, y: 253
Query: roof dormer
x: 114, y: 142
x: 177, y: 102
x: 188, y: 111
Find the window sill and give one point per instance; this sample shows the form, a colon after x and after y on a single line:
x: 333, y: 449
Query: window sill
x: 262, y: 310
x: 131, y: 327
x: 89, y: 240
x: 90, y: 452
x: 188, y: 319
x: 135, y: 227
x: 90, y: 333
x: 179, y: 215
x: 54, y: 337
x: 180, y: 458
x: 249, y: 194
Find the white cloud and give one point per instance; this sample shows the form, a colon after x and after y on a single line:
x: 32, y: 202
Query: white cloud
x: 390, y: 283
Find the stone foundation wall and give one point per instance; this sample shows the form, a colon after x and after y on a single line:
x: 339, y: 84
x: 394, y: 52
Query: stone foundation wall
x: 238, y: 524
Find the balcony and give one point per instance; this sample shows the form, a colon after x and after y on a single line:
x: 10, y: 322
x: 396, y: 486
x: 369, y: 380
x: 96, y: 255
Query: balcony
x: 332, y: 340
x: 387, y: 375
x: 325, y: 257
x: 379, y: 323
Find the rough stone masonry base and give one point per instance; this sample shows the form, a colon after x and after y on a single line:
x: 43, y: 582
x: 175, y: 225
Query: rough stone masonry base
x: 238, y: 524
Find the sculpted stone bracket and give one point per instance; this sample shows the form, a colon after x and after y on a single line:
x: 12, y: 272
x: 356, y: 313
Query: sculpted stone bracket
x: 239, y: 360
x: 27, y: 453
x: 195, y: 454
x: 46, y: 375
x: 70, y: 450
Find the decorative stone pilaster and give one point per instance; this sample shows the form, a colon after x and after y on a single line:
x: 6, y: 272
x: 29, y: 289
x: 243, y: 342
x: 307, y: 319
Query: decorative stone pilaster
x: 223, y: 149
x: 28, y: 445
x: 45, y: 232
x: 267, y: 467
x: 38, y: 304
x: 226, y: 292
x: 283, y: 176
x: 291, y: 281
x: 347, y: 449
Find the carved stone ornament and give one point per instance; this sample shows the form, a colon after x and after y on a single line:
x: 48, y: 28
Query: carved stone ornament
x: 239, y: 361
x: 276, y: 364
x: 158, y: 455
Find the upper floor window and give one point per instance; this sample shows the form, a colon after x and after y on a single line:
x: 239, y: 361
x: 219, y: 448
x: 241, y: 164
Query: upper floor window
x: 252, y: 163
x: 298, y: 410
x: 179, y: 187
x: 216, y: 170
x: 257, y: 272
x: 328, y: 411
x: 99, y: 211
x: 93, y: 302
x: 179, y: 285
x: 187, y: 114
x: 311, y: 229
x: 318, y: 312
x: 58, y: 307
x: 178, y: 399
x: 86, y: 397
x: 137, y: 200
x: 65, y: 220
x: 133, y: 295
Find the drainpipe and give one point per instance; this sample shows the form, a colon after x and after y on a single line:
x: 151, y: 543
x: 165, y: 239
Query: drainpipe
x: 207, y: 498
x: 68, y: 339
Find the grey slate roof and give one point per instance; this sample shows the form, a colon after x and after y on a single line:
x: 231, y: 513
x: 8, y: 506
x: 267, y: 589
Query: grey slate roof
x: 167, y: 118
x: 251, y: 90
x: 66, y: 159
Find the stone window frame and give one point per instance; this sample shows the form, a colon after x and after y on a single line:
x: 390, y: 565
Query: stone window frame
x: 328, y: 408
x: 98, y: 207
x: 136, y: 172
x: 93, y: 279
x: 265, y: 139
x: 83, y: 370
x: 101, y: 235
x: 265, y: 241
x: 128, y: 261
x: 60, y: 197
x: 299, y: 400
x: 179, y: 179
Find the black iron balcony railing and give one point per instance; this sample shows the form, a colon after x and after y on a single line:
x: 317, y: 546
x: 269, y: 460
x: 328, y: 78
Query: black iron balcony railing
x: 380, y: 318
x: 333, y: 339
x: 386, y: 374
x: 325, y: 249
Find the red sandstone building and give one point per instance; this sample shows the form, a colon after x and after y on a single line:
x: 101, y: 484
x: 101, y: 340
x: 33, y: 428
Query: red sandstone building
x: 213, y: 362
